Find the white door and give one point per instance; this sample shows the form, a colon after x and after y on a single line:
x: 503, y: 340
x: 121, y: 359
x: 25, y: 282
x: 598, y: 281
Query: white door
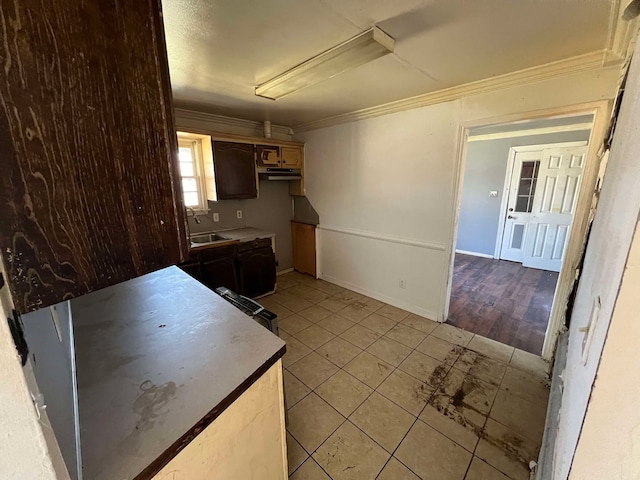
x: 554, y: 204
x: 519, y: 204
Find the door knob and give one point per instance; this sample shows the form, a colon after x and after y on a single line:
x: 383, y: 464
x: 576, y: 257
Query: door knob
x: 511, y: 217
x: 511, y: 209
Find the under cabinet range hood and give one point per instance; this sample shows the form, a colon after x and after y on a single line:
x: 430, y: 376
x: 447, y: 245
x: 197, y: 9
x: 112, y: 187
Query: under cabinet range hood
x: 277, y: 173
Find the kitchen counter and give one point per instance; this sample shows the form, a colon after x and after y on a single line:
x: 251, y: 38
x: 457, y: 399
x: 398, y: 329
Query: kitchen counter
x: 245, y: 234
x: 159, y: 358
x: 231, y: 236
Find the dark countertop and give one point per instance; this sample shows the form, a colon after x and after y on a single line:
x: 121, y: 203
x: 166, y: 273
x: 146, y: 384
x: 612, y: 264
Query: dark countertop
x: 233, y: 235
x: 158, y: 358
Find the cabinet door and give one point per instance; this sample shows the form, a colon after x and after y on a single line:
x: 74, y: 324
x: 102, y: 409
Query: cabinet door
x: 220, y: 272
x: 291, y: 157
x: 268, y: 156
x: 192, y: 269
x: 89, y: 190
x: 303, y: 237
x: 235, y: 170
x: 257, y: 271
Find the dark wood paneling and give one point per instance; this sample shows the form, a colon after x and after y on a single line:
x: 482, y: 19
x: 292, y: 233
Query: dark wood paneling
x: 235, y: 170
x: 502, y: 300
x: 89, y: 192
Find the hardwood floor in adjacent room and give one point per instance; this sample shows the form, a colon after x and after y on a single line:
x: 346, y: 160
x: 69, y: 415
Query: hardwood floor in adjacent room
x: 502, y: 300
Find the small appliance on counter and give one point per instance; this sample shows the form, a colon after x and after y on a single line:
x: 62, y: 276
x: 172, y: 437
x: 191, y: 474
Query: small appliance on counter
x: 264, y: 317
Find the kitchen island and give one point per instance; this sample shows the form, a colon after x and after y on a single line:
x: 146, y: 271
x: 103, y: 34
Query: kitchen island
x: 174, y: 382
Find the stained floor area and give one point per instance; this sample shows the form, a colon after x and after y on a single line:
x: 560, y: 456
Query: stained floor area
x: 374, y: 392
x: 502, y: 300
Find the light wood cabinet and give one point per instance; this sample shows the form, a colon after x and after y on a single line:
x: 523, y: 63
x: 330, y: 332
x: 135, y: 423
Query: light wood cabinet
x: 291, y: 157
x: 90, y: 181
x: 268, y: 156
x: 303, y: 237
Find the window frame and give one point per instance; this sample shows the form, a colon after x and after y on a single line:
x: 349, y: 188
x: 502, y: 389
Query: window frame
x: 195, y: 144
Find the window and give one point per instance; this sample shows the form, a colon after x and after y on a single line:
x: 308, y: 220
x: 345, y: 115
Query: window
x: 527, y: 187
x: 191, y: 172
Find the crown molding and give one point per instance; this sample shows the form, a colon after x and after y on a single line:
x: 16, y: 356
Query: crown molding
x: 184, y: 114
x: 590, y: 61
x: 622, y: 33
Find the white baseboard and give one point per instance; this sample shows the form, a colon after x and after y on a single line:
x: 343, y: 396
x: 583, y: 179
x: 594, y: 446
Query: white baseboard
x: 475, y: 254
x: 423, y: 312
x: 282, y: 272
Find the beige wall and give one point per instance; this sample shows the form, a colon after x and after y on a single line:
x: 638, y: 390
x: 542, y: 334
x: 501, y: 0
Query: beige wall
x: 607, y: 260
x: 604, y: 265
x: 384, y: 188
x: 609, y: 446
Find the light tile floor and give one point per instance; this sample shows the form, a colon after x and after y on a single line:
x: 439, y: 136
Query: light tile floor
x: 376, y: 392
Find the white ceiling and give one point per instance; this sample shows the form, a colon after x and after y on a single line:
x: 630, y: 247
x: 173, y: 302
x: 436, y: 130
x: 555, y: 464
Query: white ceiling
x: 220, y: 49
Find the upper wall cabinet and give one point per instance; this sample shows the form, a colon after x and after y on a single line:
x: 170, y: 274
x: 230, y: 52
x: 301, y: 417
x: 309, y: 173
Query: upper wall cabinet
x: 235, y: 170
x: 268, y: 156
x: 89, y: 192
x: 292, y: 157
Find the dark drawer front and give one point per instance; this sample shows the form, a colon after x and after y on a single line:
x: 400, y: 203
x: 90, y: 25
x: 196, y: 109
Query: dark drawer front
x: 253, y: 244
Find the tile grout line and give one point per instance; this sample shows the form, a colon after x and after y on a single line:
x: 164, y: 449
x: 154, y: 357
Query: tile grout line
x: 373, y: 390
x: 395, y: 368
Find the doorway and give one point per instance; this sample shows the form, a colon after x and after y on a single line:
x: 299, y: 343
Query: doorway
x: 519, y: 197
x: 541, y: 196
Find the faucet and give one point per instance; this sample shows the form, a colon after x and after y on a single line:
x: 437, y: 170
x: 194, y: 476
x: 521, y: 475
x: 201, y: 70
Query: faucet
x: 195, y: 217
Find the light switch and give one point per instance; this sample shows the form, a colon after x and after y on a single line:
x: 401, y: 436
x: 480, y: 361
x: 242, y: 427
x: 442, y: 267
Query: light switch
x: 493, y: 193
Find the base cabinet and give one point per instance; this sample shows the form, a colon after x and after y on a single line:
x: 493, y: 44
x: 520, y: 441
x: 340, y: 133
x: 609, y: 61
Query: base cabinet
x: 193, y: 269
x: 247, y: 441
x: 219, y: 268
x: 247, y: 268
x: 256, y: 271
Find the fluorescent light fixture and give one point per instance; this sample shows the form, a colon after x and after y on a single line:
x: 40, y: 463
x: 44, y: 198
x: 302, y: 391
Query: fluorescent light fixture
x: 356, y: 51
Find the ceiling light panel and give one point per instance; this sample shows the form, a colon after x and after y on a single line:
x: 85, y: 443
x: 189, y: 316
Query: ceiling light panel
x: 361, y: 49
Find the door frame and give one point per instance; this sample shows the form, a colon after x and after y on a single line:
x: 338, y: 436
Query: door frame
x: 601, y: 111
x: 507, y: 183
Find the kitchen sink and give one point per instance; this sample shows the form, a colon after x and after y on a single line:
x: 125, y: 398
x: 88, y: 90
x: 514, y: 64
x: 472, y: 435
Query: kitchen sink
x: 209, y: 238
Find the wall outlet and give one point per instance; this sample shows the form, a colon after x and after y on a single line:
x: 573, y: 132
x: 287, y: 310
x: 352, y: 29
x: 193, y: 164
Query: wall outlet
x: 239, y: 214
x: 216, y: 217
x: 402, y: 283
x: 493, y: 193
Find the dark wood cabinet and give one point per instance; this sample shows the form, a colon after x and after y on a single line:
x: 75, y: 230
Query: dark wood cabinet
x: 219, y: 267
x: 256, y: 270
x: 247, y: 268
x: 89, y: 181
x: 193, y: 269
x: 235, y: 170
